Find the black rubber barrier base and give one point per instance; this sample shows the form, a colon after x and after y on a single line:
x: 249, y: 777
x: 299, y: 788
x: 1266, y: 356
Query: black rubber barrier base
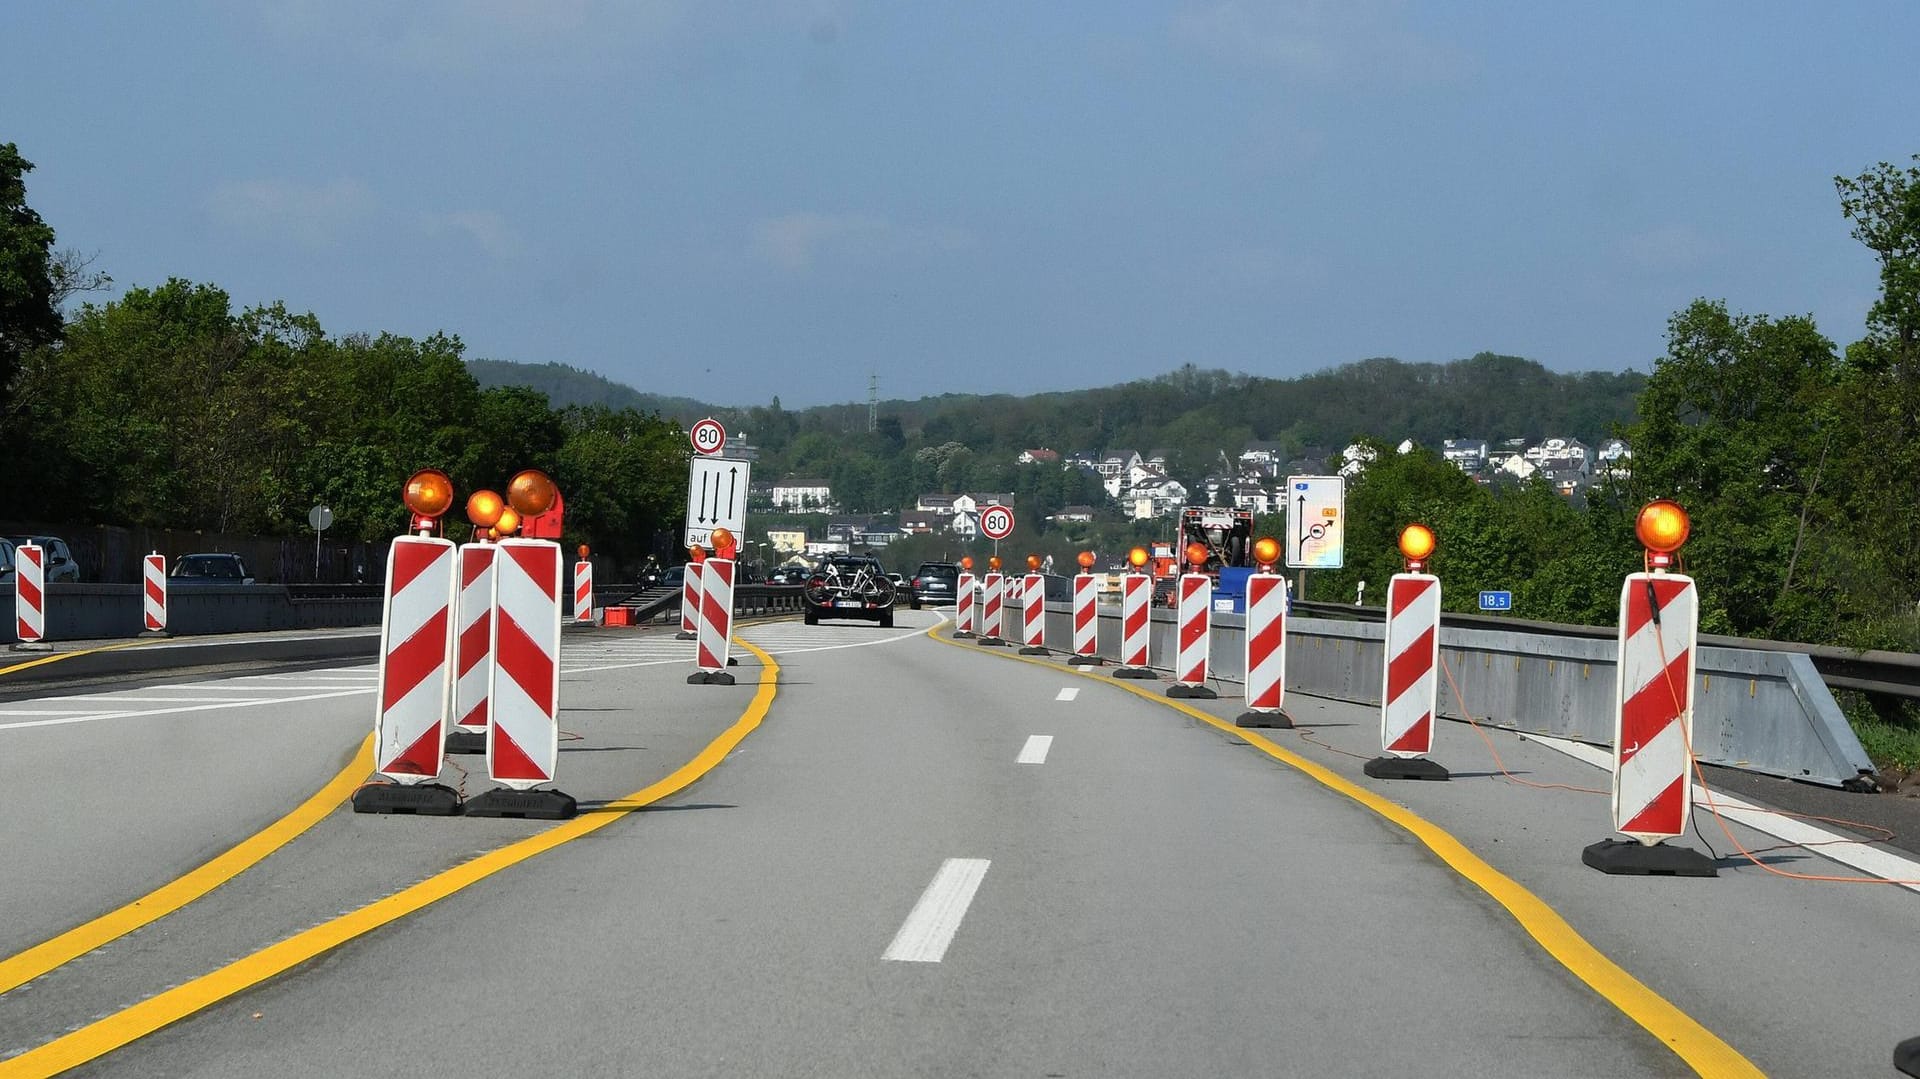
x: 990, y: 642
x: 466, y: 742
x: 420, y: 799
x: 1630, y: 857
x: 1182, y: 690
x: 1034, y: 650
x: 1404, y: 768
x: 528, y: 805
x: 154, y: 634
x: 710, y: 678
x: 1906, y: 1057
x: 1086, y: 661
x: 1145, y: 673
x: 683, y: 635
x: 963, y: 635
x: 32, y: 646
x: 1275, y: 718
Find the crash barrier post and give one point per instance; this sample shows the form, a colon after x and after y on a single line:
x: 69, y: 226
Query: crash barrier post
x: 30, y: 596
x: 690, y: 602
x: 523, y: 739
x: 153, y: 593
x: 583, y: 591
x: 1136, y: 606
x: 1410, y: 681
x: 964, y: 608
x: 716, y: 624
x: 1266, y: 644
x: 1033, y: 615
x: 1193, y: 615
x: 1086, y: 621
x: 992, y: 614
x: 415, y: 680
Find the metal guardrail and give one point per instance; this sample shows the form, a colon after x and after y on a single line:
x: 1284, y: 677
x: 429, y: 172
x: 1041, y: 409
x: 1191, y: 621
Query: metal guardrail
x: 1894, y: 674
x: 652, y: 603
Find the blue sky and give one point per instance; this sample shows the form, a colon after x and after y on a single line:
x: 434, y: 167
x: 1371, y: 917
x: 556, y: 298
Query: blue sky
x: 741, y: 200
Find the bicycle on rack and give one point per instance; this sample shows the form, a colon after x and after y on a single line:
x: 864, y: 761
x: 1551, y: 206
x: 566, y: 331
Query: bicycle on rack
x: 849, y: 586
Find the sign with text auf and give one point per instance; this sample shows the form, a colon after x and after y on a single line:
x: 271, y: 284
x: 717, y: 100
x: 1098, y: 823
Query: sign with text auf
x: 716, y: 498
x: 1316, y: 522
x: 1496, y: 601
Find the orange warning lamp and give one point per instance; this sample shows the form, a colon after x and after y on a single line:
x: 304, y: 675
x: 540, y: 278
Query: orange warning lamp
x: 493, y: 533
x: 530, y: 492
x: 1137, y: 558
x: 1086, y: 559
x: 1197, y: 554
x: 484, y: 507
x: 428, y: 493
x: 966, y: 563
x: 1266, y: 551
x: 1033, y: 561
x: 722, y: 542
x: 994, y: 563
x: 1663, y: 528
x: 698, y: 552
x: 509, y: 522
x: 585, y: 552
x: 1416, y: 546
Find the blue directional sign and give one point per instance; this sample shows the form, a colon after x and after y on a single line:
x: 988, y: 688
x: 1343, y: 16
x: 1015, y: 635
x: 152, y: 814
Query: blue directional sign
x: 1496, y: 601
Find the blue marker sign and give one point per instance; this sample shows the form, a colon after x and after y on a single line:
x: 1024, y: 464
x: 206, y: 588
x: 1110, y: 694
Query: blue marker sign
x: 1496, y: 601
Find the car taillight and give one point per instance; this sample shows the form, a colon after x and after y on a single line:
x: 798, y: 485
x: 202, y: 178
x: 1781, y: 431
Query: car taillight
x: 916, y: 582
x: 816, y: 582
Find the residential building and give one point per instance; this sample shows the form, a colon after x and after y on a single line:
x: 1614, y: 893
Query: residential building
x: 1560, y: 454
x: 1253, y: 497
x: 919, y: 523
x: 1070, y: 514
x: 1117, y: 464
x: 935, y: 503
x: 1614, y: 459
x: 1262, y: 459
x: 803, y: 495
x: 1039, y: 457
x: 1354, y: 459
x: 1469, y: 455
x: 788, y: 540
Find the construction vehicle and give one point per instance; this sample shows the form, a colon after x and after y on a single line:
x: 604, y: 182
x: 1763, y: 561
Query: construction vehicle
x: 1227, y: 534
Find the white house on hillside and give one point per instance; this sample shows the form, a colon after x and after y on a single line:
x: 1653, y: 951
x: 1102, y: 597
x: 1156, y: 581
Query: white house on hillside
x: 797, y: 495
x: 1466, y: 454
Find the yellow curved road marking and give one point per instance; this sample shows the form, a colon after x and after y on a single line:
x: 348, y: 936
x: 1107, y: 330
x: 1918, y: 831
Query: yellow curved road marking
x: 58, y: 656
x: 164, y: 900
x: 1702, y: 1050
x: 123, y: 1027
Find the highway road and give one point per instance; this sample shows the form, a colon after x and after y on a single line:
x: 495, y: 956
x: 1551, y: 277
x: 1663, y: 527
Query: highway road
x: 886, y: 853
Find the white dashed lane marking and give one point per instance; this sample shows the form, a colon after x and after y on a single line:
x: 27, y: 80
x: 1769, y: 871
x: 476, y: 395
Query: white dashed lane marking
x: 1035, y: 751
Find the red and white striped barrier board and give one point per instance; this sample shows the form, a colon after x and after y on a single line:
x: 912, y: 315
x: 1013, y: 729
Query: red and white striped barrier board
x: 716, y: 614
x: 1194, y: 614
x: 992, y: 616
x: 1033, y: 613
x: 583, y: 591
x: 153, y: 587
x: 523, y: 743
x: 1086, y: 616
x: 473, y: 615
x: 416, y: 659
x: 30, y: 593
x: 964, y: 604
x: 1266, y: 642
x: 690, y: 601
x: 1412, y: 677
x: 1136, y: 604
x: 1653, y: 725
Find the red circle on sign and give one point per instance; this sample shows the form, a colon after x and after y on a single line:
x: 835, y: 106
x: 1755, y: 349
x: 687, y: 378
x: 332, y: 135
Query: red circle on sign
x: 996, y: 522
x: 708, y: 437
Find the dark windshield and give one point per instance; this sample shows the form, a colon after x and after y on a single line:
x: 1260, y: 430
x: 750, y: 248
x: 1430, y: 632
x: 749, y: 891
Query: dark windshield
x: 216, y: 566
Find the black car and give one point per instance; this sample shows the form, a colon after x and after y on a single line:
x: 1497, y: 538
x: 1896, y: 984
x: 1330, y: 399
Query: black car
x: 848, y: 586
x: 197, y: 569
x: 934, y: 584
x: 58, y: 559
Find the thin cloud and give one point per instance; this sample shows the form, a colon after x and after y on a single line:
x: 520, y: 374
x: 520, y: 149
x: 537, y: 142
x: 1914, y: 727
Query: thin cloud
x: 487, y: 229
x: 311, y: 215
x: 1320, y: 40
x: 795, y: 241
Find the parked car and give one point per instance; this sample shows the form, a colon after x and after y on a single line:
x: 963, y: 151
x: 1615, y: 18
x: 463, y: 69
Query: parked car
x: 58, y: 559
x: 933, y: 584
x: 212, y: 568
x: 6, y: 558
x: 848, y: 586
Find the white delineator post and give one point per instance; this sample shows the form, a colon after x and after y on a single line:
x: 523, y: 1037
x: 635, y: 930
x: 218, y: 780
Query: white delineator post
x: 1033, y: 615
x: 29, y: 594
x: 153, y: 588
x: 1086, y: 621
x: 473, y: 616
x: 716, y: 624
x: 1193, y: 620
x: 991, y: 617
x: 1266, y: 637
x: 583, y: 591
x: 1653, y: 719
x: 690, y: 602
x: 1136, y: 605
x: 1410, y: 679
x: 964, y: 605
x: 415, y: 683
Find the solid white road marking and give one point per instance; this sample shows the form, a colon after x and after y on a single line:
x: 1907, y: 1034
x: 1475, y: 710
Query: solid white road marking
x: 1067, y: 694
x: 1035, y: 751
x: 145, y: 712
x: 924, y: 937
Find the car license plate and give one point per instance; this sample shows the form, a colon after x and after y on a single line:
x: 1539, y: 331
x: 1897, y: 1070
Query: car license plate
x: 848, y: 603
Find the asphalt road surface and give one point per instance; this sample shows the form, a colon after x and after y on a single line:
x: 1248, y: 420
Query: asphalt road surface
x: 895, y: 855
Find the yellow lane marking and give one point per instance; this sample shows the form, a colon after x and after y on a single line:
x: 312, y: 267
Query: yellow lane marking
x: 1702, y: 1050
x: 164, y: 900
x: 58, y: 656
x: 123, y: 1027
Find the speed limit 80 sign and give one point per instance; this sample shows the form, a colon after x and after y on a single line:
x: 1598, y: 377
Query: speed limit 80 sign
x: 708, y: 436
x: 996, y: 522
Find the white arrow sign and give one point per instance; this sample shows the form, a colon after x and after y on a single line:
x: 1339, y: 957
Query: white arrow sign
x: 1316, y: 522
x: 716, y: 498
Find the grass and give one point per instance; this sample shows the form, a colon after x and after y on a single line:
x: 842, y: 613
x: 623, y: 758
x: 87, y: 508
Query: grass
x: 1891, y: 736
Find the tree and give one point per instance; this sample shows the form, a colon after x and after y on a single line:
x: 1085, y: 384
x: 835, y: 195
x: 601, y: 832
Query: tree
x: 29, y: 316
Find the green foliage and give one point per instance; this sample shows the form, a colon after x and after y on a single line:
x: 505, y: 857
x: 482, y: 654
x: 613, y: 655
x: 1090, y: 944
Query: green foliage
x: 29, y: 315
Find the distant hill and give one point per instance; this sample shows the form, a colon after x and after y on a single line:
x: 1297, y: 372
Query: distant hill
x: 566, y: 385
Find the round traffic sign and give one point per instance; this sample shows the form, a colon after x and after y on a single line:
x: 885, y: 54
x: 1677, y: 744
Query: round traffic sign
x: 708, y: 436
x: 320, y: 517
x: 996, y: 522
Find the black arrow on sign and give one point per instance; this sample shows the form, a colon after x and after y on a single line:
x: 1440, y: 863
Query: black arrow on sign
x: 733, y: 483
x: 1301, y: 518
x: 703, y: 499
